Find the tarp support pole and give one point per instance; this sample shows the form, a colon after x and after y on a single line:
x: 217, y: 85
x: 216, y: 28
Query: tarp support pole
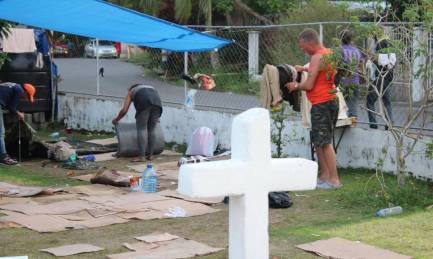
x: 185, y: 70
x: 97, y: 66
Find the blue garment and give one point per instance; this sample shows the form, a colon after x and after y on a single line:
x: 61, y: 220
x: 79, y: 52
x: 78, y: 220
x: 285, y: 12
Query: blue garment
x: 42, y: 43
x: 10, y: 94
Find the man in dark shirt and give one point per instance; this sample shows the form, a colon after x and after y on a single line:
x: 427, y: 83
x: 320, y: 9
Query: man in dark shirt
x: 148, y: 108
x: 10, y: 94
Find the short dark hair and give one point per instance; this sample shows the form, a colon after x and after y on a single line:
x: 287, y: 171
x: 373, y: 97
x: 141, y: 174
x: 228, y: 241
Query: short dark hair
x: 309, y: 35
x: 133, y: 86
x: 346, y: 36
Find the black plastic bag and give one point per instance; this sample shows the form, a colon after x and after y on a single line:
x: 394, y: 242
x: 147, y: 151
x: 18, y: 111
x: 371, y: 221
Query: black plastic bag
x: 279, y: 200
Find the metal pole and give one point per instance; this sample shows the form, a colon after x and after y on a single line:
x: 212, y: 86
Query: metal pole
x: 321, y: 32
x: 97, y: 66
x: 185, y: 70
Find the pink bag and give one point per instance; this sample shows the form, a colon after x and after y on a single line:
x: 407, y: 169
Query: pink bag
x: 202, y: 142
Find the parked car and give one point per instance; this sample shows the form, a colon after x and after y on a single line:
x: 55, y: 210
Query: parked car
x: 105, y: 49
x: 61, y: 50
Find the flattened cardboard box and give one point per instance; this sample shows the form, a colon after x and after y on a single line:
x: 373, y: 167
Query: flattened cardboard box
x: 339, y: 248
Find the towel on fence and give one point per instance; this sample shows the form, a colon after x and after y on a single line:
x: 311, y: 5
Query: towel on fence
x: 19, y: 40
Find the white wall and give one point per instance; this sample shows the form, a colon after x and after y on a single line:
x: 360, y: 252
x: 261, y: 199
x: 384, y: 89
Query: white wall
x: 358, y: 148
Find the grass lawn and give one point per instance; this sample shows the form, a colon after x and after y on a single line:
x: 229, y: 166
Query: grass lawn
x: 346, y: 213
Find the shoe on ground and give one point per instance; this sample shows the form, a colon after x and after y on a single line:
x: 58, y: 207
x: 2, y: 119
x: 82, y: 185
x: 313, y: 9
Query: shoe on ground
x: 324, y: 186
x: 328, y: 186
x: 7, y: 160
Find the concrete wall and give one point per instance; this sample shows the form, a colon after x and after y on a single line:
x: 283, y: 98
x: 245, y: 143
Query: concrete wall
x: 358, y: 148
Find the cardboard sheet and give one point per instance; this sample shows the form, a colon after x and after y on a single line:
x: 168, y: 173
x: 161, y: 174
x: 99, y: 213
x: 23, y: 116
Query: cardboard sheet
x: 142, y: 215
x: 157, y: 237
x: 104, y: 142
x: 104, y: 157
x: 55, y: 208
x: 191, y: 208
x: 9, y: 200
x: 40, y: 223
x: 11, y: 190
x: 160, y: 167
x: 345, y: 249
x: 72, y: 249
x: 174, y: 194
x: 97, y: 190
x: 174, y: 249
x: 140, y: 246
x: 133, y: 201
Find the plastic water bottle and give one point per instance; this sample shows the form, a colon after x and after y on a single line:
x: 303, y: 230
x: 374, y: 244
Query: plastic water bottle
x: 149, y: 179
x: 389, y: 211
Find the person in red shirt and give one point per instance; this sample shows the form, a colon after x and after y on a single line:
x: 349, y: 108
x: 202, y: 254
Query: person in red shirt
x: 118, y: 47
x: 320, y: 89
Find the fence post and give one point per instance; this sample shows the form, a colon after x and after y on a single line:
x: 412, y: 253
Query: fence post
x: 185, y: 71
x: 321, y: 32
x: 253, y: 53
x: 419, y: 38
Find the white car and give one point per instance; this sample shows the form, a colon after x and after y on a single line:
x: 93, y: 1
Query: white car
x: 105, y: 49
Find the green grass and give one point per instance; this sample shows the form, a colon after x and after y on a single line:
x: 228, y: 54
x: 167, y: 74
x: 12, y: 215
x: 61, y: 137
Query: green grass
x: 34, y: 176
x: 82, y: 135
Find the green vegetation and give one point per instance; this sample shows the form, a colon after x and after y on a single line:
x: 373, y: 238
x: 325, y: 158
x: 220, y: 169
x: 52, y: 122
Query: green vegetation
x: 35, y: 176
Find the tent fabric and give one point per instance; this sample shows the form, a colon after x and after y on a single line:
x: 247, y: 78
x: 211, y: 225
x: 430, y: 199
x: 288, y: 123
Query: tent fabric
x: 105, y: 21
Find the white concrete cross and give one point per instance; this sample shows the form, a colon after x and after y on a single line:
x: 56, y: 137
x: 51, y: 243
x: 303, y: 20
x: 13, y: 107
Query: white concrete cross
x: 247, y: 178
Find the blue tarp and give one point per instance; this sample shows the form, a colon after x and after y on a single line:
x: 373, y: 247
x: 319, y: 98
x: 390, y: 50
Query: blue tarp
x: 105, y: 21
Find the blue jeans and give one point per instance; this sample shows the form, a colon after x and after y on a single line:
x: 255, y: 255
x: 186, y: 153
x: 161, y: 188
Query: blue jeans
x: 386, y: 98
x: 2, y: 136
x: 351, y: 96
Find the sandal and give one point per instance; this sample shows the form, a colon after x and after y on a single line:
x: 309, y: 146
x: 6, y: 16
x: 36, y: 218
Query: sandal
x: 8, y: 161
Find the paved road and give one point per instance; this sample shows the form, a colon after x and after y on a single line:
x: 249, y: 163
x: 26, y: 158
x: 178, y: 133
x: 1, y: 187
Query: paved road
x: 79, y: 76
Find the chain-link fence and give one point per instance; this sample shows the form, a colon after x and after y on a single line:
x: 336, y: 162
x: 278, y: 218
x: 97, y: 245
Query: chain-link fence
x: 236, y: 68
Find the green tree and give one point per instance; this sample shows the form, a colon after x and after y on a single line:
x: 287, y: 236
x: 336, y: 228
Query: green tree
x: 4, y: 31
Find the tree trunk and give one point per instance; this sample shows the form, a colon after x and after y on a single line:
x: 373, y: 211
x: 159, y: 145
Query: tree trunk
x: 401, y: 163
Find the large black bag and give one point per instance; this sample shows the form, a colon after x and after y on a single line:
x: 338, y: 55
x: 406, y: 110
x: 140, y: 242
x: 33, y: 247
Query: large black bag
x: 279, y: 200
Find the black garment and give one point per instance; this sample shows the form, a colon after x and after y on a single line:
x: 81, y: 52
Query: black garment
x: 144, y: 97
x: 285, y: 76
x: 101, y: 72
x: 10, y: 94
x: 146, y: 126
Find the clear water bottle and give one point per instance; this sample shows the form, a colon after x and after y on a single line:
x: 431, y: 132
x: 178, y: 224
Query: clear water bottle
x: 149, y: 179
x: 389, y: 211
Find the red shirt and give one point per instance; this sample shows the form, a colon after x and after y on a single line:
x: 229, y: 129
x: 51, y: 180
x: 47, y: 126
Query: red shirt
x: 324, y: 83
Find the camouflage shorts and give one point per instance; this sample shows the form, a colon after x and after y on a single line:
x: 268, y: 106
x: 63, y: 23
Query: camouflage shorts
x: 323, y: 119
